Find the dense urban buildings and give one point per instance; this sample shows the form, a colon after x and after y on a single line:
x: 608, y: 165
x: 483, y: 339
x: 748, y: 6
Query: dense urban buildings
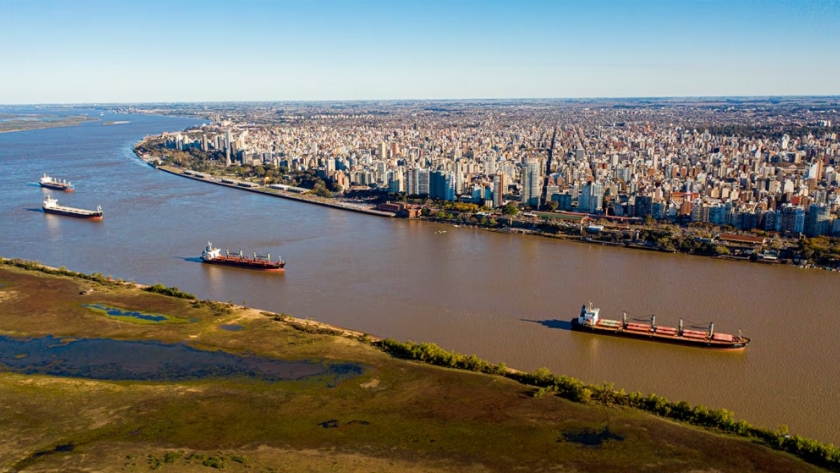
x: 751, y: 164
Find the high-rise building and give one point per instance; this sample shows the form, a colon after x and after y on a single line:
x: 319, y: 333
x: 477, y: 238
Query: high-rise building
x: 657, y: 210
x: 793, y: 219
x: 477, y: 193
x: 395, y: 184
x: 490, y: 166
x: 564, y: 201
x: 412, y: 182
x: 816, y: 222
x: 750, y: 220
x: 643, y: 206
x: 228, y: 140
x: 697, y: 210
x: 459, y: 176
x: 423, y: 182
x: 717, y: 214
x: 531, y: 183
x: 772, y: 220
x: 591, y: 198
x: 442, y: 185
x: 597, y: 197
x: 499, y: 187
x: 815, y: 170
x: 551, y: 191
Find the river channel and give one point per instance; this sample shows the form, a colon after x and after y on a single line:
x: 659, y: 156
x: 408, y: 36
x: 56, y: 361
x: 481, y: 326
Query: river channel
x: 503, y: 297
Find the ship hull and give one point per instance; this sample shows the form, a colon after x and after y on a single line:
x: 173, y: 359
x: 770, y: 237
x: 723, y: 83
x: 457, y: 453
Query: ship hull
x: 735, y: 345
x: 58, y: 187
x: 247, y: 263
x: 84, y: 216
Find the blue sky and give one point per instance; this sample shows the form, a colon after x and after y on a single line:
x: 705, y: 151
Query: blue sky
x: 140, y: 51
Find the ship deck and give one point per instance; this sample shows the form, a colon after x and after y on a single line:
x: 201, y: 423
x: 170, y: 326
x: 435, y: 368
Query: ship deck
x: 248, y: 263
x: 55, y: 186
x: 666, y: 334
x: 73, y: 212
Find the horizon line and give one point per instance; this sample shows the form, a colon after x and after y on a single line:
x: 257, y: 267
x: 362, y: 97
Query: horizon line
x: 590, y: 98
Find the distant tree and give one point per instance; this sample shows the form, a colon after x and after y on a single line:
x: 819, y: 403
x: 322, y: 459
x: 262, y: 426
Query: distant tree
x: 510, y: 209
x: 322, y: 191
x: 551, y: 205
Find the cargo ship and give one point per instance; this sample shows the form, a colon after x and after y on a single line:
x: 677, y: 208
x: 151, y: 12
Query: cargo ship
x: 51, y: 207
x: 589, y: 320
x: 59, y: 185
x: 214, y: 256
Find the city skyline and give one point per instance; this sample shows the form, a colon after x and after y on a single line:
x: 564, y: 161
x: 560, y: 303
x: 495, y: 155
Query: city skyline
x: 100, y: 52
x: 672, y: 161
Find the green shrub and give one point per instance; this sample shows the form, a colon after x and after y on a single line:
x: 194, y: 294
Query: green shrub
x: 154, y: 462
x: 196, y: 457
x: 169, y: 291
x: 215, y: 462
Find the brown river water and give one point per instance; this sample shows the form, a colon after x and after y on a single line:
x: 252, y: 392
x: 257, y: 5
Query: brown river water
x: 502, y: 297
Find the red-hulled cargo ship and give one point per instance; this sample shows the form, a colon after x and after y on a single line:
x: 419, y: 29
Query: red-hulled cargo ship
x: 589, y: 320
x: 59, y: 185
x: 51, y: 207
x: 214, y: 256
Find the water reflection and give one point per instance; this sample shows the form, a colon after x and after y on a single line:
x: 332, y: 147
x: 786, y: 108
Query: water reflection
x: 53, y: 224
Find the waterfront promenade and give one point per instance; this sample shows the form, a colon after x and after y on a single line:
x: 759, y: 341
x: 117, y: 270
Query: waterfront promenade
x: 259, y: 189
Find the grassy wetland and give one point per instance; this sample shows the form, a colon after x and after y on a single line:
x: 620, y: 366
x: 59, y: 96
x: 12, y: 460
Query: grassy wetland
x: 361, y: 405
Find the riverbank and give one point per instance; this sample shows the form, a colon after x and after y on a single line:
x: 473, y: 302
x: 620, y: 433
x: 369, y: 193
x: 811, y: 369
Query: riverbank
x: 395, y: 416
x: 271, y: 192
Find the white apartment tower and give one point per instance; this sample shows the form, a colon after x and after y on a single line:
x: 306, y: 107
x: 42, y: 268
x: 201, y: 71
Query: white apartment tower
x: 531, y: 182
